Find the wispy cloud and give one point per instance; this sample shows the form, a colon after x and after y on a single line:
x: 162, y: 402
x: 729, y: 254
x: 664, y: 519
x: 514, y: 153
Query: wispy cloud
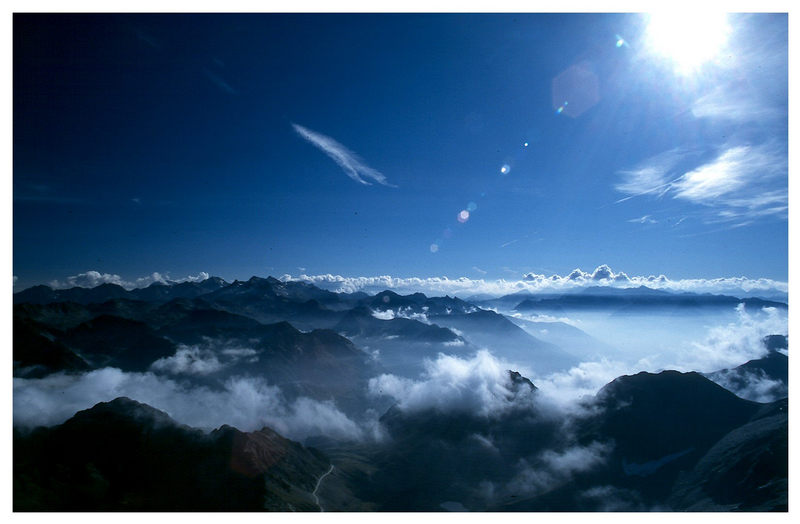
x: 730, y: 171
x: 646, y: 219
x: 220, y: 82
x: 505, y: 244
x: 351, y: 164
x: 651, y: 176
x: 740, y: 182
x: 735, y: 103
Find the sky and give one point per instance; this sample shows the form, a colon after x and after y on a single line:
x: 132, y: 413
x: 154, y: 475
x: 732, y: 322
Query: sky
x: 430, y: 146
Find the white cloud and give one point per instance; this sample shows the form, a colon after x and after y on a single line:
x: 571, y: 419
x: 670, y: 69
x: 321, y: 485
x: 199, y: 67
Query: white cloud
x: 583, y: 381
x: 552, y: 468
x: 755, y: 386
x: 543, y: 319
x: 478, y: 385
x: 646, y: 219
x: 88, y: 280
x: 734, y: 103
x: 350, y: 163
x: 201, y: 276
x: 533, y: 282
x: 730, y: 171
x: 722, y: 347
x: 245, y: 403
x: 732, y: 344
x: 651, y: 176
x: 239, y: 352
x: 384, y: 315
x: 93, y: 278
x: 189, y: 361
x: 741, y: 181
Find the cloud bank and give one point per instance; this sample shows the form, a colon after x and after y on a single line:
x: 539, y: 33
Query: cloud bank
x: 479, y: 385
x: 602, y: 275
x: 732, y: 344
x: 245, y: 403
x: 350, y: 163
x: 95, y: 278
x: 532, y: 282
x: 723, y: 346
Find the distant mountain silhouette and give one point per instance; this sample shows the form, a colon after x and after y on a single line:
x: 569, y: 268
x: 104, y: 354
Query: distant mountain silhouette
x: 155, y: 292
x: 641, y: 297
x: 648, y: 441
x: 360, y: 322
x: 418, y: 303
x: 489, y: 329
x: 117, y: 342
x: 37, y: 353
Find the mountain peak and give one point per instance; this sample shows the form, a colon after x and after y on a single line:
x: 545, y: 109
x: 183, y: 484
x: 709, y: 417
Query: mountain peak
x: 519, y: 381
x: 125, y: 408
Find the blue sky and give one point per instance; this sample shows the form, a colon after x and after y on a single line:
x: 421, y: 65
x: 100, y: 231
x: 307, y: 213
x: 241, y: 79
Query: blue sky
x: 242, y: 145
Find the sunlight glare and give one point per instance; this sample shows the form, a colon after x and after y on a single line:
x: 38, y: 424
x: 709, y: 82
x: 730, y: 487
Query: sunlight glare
x: 687, y: 39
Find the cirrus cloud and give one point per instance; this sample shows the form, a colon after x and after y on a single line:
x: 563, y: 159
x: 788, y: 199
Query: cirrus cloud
x: 350, y: 162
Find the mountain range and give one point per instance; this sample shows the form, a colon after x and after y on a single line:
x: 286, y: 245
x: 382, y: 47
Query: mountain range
x: 650, y: 441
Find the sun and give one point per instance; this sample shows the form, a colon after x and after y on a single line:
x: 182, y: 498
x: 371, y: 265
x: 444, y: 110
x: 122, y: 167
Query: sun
x: 687, y: 39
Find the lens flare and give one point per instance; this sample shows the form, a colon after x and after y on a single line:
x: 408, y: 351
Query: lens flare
x: 525, y: 144
x: 506, y: 169
x: 472, y: 206
x: 434, y: 248
x: 463, y: 216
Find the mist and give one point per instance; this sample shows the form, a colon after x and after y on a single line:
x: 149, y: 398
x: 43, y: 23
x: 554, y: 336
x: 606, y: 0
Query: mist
x: 246, y: 403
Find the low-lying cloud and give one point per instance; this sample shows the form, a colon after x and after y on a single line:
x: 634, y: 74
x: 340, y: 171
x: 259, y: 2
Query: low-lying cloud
x: 407, y: 312
x: 243, y: 402
x: 478, y: 385
x: 751, y: 385
x: 189, y: 361
x: 723, y: 346
x: 732, y: 344
x: 553, y: 468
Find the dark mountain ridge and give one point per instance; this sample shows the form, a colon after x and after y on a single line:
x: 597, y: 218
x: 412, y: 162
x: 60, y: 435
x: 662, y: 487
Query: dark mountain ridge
x: 157, y: 291
x: 127, y: 456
